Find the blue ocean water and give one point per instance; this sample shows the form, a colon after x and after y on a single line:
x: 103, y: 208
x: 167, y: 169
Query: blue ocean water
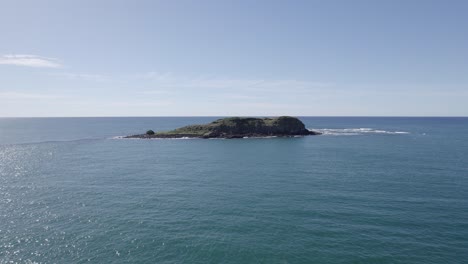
x: 370, y: 190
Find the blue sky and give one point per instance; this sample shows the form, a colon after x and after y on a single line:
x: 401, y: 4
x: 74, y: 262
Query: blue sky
x: 224, y: 58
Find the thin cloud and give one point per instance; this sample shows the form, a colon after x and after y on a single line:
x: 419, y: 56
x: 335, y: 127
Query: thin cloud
x: 239, y: 97
x: 141, y: 104
x: 156, y: 92
x: 172, y: 81
x: 33, y: 96
x: 29, y: 61
x: 81, y: 76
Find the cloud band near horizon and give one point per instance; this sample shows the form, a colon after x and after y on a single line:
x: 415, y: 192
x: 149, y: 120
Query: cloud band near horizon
x: 30, y: 61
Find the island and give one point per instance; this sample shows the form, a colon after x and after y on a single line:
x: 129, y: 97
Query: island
x: 237, y: 127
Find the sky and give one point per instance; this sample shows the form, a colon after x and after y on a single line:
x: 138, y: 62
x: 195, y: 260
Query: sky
x: 233, y: 58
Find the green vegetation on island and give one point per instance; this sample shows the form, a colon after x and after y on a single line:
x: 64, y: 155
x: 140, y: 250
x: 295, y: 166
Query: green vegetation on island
x: 237, y: 127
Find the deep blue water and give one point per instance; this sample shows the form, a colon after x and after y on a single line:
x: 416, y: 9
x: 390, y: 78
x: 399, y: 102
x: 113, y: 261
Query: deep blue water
x: 371, y: 190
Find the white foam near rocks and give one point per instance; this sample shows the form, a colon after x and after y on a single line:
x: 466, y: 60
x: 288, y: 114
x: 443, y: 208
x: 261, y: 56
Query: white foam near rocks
x: 355, y: 131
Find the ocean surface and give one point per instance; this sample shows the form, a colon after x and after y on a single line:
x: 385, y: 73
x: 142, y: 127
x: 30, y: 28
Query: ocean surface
x: 370, y: 190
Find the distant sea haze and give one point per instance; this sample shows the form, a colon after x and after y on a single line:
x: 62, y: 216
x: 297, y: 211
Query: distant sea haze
x: 369, y: 190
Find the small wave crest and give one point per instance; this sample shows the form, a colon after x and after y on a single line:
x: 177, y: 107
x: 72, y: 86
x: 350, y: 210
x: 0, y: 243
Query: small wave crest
x: 355, y: 131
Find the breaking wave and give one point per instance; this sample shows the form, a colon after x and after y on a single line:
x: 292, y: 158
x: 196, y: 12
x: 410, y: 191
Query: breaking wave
x: 125, y: 138
x: 355, y: 131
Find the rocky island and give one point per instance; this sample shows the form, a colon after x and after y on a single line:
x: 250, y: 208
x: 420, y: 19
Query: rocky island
x: 237, y: 127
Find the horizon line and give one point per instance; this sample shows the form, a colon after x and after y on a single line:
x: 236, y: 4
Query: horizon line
x: 383, y: 116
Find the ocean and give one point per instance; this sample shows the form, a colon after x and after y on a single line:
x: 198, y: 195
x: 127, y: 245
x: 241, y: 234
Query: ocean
x: 369, y: 190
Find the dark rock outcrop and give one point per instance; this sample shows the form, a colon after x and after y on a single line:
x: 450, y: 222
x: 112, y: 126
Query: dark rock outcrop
x: 238, y: 127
